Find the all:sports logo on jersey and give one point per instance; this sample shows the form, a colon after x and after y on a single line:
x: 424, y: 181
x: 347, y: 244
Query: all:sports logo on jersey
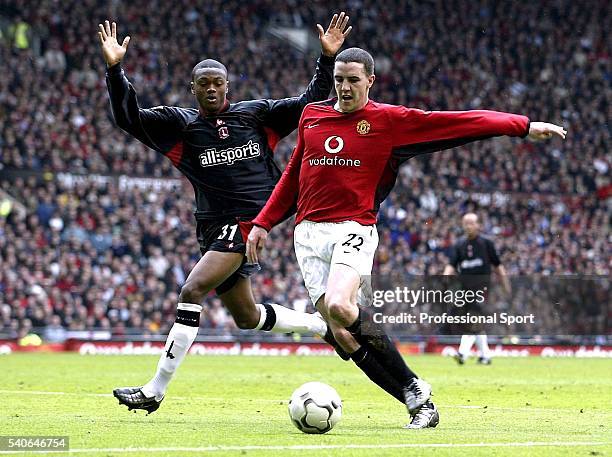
x: 211, y: 157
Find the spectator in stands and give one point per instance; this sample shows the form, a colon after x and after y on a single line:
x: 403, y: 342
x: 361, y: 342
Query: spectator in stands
x: 54, y: 332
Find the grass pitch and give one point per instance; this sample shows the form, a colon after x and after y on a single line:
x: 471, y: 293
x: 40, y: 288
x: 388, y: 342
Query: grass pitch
x: 223, y: 406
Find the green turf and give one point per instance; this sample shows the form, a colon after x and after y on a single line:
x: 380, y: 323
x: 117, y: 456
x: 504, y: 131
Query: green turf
x: 242, y: 401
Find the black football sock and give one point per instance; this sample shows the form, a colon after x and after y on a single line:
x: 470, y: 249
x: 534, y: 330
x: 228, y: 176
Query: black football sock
x: 372, y: 336
x: 366, y: 362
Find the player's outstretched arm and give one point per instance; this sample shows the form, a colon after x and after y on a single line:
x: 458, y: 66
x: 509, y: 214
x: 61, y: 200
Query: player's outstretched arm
x: 544, y: 131
x: 159, y: 128
x: 112, y: 51
x: 281, y: 204
x: 333, y: 38
x: 283, y: 115
x: 419, y: 132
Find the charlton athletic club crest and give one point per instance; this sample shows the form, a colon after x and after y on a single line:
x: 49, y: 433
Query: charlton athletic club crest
x: 223, y: 133
x: 223, y: 130
x: 363, y: 127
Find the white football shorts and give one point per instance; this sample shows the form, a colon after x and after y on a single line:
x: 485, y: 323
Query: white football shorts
x: 318, y: 245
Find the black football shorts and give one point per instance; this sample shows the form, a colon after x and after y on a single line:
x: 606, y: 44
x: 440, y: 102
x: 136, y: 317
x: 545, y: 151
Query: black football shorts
x: 226, y: 235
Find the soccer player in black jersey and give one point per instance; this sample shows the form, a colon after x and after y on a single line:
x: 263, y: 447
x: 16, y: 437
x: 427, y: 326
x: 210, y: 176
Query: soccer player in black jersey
x: 473, y: 257
x: 226, y: 151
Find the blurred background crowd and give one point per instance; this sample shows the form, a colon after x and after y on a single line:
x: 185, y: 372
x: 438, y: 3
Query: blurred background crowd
x: 82, y: 254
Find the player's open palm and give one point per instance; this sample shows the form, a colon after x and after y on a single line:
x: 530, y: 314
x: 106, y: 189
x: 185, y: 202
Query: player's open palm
x: 111, y: 49
x: 544, y: 131
x: 333, y: 38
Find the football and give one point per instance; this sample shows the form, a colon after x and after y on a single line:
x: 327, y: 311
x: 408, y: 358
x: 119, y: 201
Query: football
x: 315, y: 407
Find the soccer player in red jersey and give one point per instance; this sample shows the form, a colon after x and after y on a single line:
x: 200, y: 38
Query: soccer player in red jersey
x: 344, y: 165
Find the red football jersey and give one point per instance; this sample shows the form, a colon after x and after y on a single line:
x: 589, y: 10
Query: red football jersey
x: 345, y: 165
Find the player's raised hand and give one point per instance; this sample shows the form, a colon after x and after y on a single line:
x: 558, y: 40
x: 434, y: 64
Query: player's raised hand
x: 544, y: 131
x: 255, y: 243
x: 111, y: 49
x: 333, y: 38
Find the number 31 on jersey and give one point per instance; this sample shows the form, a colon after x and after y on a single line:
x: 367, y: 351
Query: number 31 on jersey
x: 228, y: 232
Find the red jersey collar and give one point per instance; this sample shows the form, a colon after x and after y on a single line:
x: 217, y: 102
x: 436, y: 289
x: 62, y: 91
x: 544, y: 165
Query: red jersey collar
x: 352, y: 112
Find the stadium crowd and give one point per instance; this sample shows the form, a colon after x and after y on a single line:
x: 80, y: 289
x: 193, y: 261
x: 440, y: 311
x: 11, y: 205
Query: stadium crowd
x: 90, y: 255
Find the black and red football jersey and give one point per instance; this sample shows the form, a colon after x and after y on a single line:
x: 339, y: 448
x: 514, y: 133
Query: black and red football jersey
x: 227, y: 157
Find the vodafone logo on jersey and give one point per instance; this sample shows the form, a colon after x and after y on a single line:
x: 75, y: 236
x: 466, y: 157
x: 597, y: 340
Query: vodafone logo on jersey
x: 333, y: 145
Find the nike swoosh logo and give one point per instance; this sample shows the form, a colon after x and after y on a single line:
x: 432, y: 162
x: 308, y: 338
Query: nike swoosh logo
x: 311, y: 126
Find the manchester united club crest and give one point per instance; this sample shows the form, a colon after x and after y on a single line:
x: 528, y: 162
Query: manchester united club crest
x: 223, y: 133
x: 363, y: 127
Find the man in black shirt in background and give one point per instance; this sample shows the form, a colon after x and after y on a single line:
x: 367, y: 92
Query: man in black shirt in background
x: 226, y: 151
x: 473, y: 257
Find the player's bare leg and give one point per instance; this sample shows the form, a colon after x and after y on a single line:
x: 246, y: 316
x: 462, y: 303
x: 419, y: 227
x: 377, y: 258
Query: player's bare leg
x: 247, y: 314
x: 343, y: 341
x: 376, y: 356
x: 210, y: 271
x: 240, y: 302
x: 340, y: 304
x: 272, y: 317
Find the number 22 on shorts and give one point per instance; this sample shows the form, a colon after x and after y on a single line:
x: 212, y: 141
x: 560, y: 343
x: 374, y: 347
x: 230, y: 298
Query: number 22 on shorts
x: 353, y: 241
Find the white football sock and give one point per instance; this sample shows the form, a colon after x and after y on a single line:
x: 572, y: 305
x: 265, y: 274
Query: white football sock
x: 280, y: 319
x: 179, y: 341
x: 483, y: 347
x: 465, y: 347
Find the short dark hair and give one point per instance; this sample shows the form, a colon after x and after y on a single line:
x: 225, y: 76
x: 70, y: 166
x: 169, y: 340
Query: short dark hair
x: 208, y: 63
x: 357, y: 55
